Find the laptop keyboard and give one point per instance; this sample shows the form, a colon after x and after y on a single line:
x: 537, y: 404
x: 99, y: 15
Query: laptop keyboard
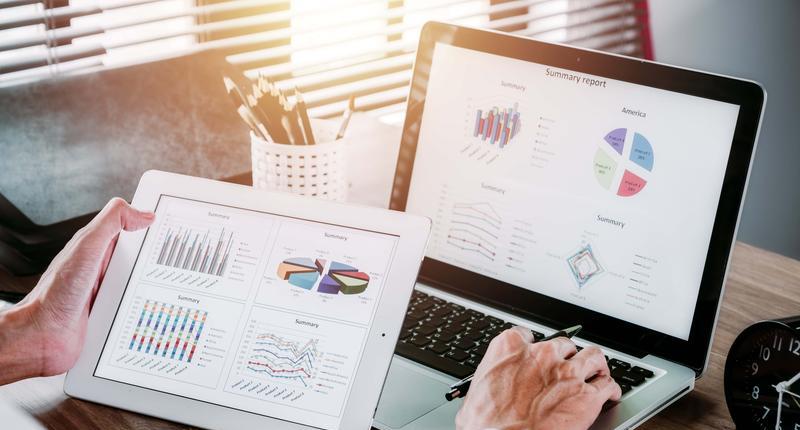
x: 452, y: 339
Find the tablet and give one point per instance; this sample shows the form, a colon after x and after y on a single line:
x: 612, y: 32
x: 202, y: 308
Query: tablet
x: 240, y: 307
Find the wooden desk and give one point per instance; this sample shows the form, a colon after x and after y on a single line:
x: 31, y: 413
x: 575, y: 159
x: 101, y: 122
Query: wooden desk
x: 761, y: 285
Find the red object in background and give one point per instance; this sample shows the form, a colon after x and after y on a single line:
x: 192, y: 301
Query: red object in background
x: 643, y: 19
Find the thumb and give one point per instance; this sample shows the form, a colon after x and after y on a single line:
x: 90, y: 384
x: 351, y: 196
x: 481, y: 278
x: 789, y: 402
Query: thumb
x: 116, y: 216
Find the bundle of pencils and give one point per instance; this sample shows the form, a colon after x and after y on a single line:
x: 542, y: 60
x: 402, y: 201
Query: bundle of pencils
x: 266, y: 110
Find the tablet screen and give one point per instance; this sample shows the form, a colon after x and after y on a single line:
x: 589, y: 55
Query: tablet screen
x: 250, y: 310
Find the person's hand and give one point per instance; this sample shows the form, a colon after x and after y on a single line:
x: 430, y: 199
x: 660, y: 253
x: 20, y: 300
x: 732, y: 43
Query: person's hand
x: 546, y: 385
x: 44, y: 334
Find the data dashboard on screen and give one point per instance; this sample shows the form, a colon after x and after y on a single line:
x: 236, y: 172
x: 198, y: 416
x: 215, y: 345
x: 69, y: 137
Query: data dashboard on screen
x: 597, y: 192
x: 250, y: 310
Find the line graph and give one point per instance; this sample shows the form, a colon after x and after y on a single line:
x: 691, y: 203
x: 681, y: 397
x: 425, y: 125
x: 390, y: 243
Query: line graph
x: 278, y: 357
x: 485, y: 210
x: 295, y: 360
x: 475, y: 228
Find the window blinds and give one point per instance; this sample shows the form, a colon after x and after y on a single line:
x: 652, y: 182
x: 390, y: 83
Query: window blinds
x: 329, y: 49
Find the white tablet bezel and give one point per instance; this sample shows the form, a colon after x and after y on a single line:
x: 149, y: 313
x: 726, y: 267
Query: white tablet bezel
x: 382, y: 334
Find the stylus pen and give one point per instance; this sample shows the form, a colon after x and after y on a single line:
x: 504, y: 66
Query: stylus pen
x: 460, y: 388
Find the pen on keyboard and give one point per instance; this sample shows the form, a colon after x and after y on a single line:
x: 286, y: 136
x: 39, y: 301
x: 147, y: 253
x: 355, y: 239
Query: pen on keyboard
x: 460, y: 388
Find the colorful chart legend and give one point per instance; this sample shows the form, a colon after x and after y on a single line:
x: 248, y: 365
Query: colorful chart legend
x: 623, y: 171
x: 168, y: 331
x: 497, y: 126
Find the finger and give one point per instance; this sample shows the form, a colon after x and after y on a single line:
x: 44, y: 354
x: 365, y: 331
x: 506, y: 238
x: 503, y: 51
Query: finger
x: 104, y: 266
x: 561, y: 347
x: 590, y: 362
x: 607, y: 389
x: 524, y: 333
x: 116, y: 216
x: 507, y: 342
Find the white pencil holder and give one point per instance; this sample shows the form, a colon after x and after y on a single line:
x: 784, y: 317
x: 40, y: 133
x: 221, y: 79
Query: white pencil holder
x: 309, y: 170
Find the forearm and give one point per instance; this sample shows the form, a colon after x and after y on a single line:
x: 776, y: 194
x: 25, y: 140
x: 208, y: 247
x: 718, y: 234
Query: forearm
x: 19, y: 351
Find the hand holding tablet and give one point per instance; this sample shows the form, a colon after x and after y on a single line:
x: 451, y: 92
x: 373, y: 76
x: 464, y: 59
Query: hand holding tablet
x: 239, y: 306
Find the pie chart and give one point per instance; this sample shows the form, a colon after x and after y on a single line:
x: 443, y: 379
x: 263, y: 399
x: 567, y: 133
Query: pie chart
x: 343, y: 279
x: 340, y: 278
x: 301, y: 272
x: 623, y: 162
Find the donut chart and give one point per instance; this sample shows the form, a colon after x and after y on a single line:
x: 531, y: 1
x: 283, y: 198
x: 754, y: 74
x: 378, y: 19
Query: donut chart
x: 623, y: 162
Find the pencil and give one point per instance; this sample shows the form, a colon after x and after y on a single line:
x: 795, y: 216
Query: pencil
x: 351, y: 106
x: 248, y: 119
x: 239, y: 100
x: 302, y: 113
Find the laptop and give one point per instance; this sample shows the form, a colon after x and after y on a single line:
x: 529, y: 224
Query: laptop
x: 566, y: 186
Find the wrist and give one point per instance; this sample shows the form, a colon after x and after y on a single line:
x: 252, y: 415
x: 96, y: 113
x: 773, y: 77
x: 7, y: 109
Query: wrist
x: 20, y: 350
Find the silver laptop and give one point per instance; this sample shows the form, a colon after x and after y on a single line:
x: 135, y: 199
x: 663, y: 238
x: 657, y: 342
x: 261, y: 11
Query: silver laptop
x: 566, y: 187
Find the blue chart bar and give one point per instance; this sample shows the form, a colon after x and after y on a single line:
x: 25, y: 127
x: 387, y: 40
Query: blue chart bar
x: 496, y: 125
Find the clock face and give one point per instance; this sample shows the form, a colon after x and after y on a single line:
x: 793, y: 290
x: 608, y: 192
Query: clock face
x: 762, y: 362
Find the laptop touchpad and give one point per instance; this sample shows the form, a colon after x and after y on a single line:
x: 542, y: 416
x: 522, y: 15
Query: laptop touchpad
x: 408, y: 395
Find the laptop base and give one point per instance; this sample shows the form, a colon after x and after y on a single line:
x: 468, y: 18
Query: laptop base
x: 413, y: 396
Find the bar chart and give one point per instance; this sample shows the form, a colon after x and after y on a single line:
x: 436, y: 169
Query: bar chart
x: 497, y: 126
x: 168, y: 330
x: 196, y: 247
x: 173, y: 335
x: 196, y: 251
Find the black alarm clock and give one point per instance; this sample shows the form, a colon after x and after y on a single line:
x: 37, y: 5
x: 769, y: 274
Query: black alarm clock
x: 762, y: 376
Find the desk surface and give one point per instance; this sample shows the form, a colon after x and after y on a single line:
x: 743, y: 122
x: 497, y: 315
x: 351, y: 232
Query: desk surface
x: 70, y: 144
x: 761, y: 285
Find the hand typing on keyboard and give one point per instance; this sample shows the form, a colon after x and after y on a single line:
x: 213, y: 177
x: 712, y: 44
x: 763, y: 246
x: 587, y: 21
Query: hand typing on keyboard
x: 547, y: 385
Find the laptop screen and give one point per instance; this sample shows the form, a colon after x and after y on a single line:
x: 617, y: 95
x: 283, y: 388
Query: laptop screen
x: 597, y: 192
